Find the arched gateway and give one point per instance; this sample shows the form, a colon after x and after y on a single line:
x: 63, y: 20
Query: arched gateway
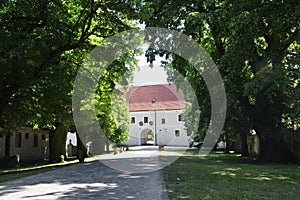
x: 147, y: 137
x: 156, y: 115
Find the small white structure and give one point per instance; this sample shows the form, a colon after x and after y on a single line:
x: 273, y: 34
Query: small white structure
x: 30, y: 144
x: 156, y: 116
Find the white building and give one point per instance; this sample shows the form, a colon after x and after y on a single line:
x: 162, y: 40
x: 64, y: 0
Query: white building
x: 30, y: 144
x: 156, y: 116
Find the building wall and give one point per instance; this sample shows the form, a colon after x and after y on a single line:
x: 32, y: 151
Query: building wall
x: 28, y: 148
x: 165, y: 132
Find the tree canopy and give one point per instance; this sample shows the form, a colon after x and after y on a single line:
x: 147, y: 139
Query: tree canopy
x: 256, y: 47
x: 43, y: 44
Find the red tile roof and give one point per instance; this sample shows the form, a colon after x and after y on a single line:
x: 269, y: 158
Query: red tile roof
x: 139, y: 98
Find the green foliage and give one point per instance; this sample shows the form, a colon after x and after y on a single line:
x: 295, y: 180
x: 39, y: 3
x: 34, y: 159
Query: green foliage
x: 255, y: 45
x: 112, y: 111
x: 43, y: 45
x: 121, y: 115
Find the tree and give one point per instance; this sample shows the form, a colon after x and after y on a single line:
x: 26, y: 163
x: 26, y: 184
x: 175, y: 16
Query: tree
x: 253, y: 47
x: 112, y: 111
x: 43, y: 45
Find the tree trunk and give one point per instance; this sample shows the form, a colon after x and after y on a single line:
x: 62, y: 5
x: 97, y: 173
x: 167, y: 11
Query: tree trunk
x: 227, y: 142
x: 81, y: 149
x: 244, y: 145
x: 57, y: 142
x: 273, y: 147
x: 98, y: 143
x: 275, y: 150
x: 7, y: 144
x: 107, y: 145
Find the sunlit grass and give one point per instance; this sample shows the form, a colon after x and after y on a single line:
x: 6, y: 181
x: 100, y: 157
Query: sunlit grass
x: 28, y: 170
x: 230, y: 176
x: 36, y: 167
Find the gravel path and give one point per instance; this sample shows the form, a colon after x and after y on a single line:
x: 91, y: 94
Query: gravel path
x: 128, y: 175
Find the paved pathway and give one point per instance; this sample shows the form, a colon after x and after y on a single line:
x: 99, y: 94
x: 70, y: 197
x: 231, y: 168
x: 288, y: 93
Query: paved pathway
x: 125, y: 179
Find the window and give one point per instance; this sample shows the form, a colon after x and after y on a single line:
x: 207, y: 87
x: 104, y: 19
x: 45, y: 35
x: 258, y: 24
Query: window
x: 18, y: 139
x: 179, y: 118
x: 43, y: 137
x: 177, y: 133
x: 26, y: 135
x: 163, y: 120
x: 133, y: 120
x: 35, y: 140
x: 145, y: 119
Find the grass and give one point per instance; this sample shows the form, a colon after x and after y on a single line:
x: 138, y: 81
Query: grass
x: 229, y: 176
x: 32, y: 169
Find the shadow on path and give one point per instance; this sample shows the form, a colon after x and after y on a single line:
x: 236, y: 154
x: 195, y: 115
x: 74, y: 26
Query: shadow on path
x: 91, y: 180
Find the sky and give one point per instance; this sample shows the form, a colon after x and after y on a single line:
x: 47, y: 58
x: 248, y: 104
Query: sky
x: 146, y: 75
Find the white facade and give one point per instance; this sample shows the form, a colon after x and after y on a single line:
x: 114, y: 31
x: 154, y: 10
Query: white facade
x: 30, y: 144
x: 166, y: 126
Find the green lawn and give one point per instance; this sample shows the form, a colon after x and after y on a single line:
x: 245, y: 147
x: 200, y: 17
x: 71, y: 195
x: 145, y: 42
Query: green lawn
x: 223, y: 176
